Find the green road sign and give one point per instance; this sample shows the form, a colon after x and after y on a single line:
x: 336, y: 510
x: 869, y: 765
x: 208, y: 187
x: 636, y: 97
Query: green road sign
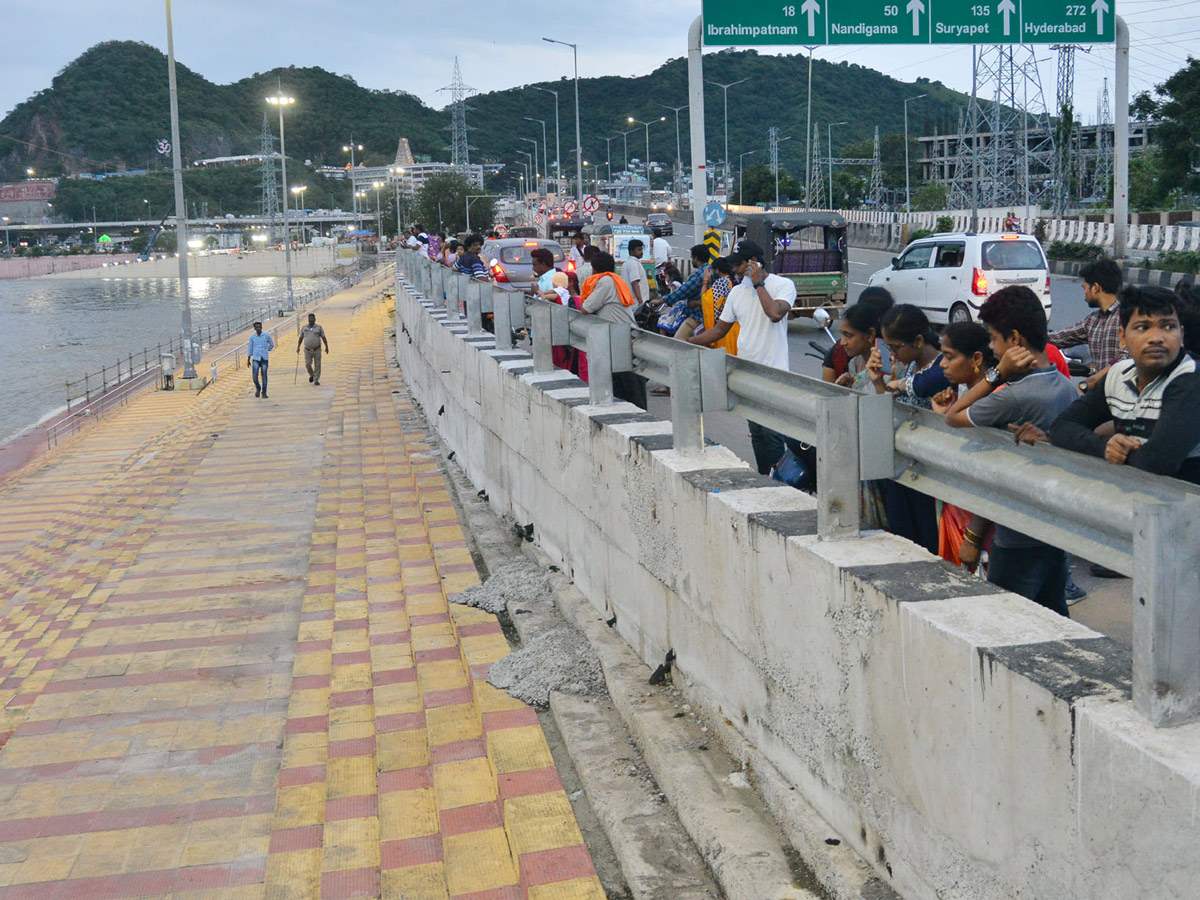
x: 814, y: 22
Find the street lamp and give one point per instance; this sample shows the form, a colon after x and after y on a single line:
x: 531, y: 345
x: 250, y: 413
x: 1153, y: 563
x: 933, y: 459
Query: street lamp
x: 350, y: 148
x: 397, y: 172
x: 537, y: 186
x: 907, y: 194
x: 678, y: 146
x: 468, y: 200
x: 528, y: 170
x: 7, y: 244
x: 632, y: 120
x: 545, y: 155
x: 378, y: 216
x: 185, y: 308
x: 298, y: 191
x: 625, y: 144
x: 608, y: 153
x: 557, y: 145
x: 725, y: 88
x: 29, y: 172
x: 741, y: 170
x: 578, y: 139
x: 829, y: 147
x: 279, y: 101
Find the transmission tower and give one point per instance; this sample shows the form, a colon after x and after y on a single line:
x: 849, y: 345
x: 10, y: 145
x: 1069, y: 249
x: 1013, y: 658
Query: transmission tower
x: 1006, y: 153
x: 875, y: 192
x: 1065, y: 137
x: 270, y: 183
x: 816, y: 182
x: 773, y: 145
x: 1104, y: 148
x: 460, y: 148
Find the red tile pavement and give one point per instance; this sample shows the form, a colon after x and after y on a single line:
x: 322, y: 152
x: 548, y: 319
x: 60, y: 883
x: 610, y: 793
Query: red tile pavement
x: 414, y: 851
x: 363, y: 746
x: 405, y: 779
x: 351, y: 808
x: 307, y: 837
x: 561, y: 864
x: 458, y: 751
x: 477, y: 817
x: 530, y: 781
x: 350, y: 884
x: 138, y: 817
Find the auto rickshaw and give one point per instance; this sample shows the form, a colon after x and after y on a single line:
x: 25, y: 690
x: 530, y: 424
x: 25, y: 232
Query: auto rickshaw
x: 808, y: 249
x: 614, y: 239
x: 564, y: 230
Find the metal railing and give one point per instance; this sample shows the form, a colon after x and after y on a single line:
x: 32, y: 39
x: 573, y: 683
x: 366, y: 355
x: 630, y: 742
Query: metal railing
x: 1142, y: 525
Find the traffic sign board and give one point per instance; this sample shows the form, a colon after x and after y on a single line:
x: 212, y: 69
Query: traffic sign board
x: 591, y: 203
x: 501, y: 230
x: 537, y: 218
x: 570, y: 207
x: 808, y: 22
x: 714, y: 215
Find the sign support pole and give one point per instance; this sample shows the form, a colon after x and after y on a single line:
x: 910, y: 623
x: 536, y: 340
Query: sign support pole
x: 1121, y: 145
x: 696, y: 122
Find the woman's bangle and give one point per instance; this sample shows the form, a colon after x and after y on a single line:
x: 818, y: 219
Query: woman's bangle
x: 971, y: 537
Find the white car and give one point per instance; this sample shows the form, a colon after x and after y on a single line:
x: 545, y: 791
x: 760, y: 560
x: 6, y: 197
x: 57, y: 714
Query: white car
x: 950, y: 275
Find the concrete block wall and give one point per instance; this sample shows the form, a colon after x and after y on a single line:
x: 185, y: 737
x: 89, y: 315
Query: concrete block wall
x: 967, y: 743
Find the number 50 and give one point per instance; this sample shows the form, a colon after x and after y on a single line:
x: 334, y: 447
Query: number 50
x: 891, y: 10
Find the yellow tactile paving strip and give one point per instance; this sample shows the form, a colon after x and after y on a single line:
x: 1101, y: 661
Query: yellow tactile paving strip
x: 228, y: 667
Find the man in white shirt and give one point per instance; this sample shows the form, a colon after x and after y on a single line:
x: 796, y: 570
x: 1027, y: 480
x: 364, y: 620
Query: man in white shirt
x: 662, y: 251
x: 576, y: 254
x: 634, y: 274
x: 760, y: 305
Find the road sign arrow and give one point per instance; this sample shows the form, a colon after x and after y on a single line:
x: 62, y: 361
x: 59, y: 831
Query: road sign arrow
x: 1099, y: 7
x: 1008, y: 8
x: 916, y: 7
x: 811, y: 8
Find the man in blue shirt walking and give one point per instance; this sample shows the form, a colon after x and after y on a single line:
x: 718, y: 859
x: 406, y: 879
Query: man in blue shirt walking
x: 257, y: 354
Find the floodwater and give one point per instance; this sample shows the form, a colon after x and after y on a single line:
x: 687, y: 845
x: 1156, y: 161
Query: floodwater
x: 52, y: 331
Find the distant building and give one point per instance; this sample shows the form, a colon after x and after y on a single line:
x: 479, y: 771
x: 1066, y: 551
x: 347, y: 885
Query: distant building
x: 27, y: 201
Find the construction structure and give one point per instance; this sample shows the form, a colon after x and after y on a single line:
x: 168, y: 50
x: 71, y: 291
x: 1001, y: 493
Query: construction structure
x: 460, y: 147
x: 1066, y: 149
x: 875, y: 185
x: 815, y: 189
x: 270, y: 180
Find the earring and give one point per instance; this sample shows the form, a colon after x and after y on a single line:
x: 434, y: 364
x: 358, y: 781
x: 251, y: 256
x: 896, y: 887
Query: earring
x: 976, y: 369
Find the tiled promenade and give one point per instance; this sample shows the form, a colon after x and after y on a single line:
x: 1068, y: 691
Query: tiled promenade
x: 229, y: 669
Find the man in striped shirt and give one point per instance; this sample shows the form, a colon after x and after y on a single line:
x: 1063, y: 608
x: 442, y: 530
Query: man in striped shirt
x: 470, y: 263
x: 1152, y: 399
x: 1099, y: 328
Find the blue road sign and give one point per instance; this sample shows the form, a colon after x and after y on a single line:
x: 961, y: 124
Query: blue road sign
x: 714, y: 215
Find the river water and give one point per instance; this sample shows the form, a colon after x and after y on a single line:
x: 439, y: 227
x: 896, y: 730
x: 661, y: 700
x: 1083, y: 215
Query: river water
x: 52, y: 331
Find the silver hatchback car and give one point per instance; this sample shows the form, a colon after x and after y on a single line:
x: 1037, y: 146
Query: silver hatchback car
x: 509, y: 261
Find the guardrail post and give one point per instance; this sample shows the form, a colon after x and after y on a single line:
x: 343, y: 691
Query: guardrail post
x: 687, y: 421
x: 474, y: 306
x: 599, y: 363
x: 543, y: 355
x: 838, y: 511
x: 1166, y: 611
x: 502, y: 318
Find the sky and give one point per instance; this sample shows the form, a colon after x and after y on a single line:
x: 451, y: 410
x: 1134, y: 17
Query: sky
x: 410, y: 45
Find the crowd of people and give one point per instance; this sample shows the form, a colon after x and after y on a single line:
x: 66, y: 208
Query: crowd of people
x: 1135, y: 408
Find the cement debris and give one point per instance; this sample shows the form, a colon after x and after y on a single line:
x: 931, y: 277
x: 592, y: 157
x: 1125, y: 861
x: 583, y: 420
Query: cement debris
x: 560, y: 659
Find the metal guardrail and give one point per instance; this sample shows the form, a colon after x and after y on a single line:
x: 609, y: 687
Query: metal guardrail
x: 1141, y: 525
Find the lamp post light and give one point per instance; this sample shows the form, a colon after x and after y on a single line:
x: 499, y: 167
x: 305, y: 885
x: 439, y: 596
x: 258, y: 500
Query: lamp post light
x: 907, y: 194
x: 397, y: 180
x: 578, y: 139
x: 829, y: 148
x: 528, y: 170
x: 468, y: 200
x: 678, y: 146
x: 537, y: 184
x: 298, y: 191
x: 647, y: 125
x: 625, y: 144
x: 7, y: 243
x: 29, y: 173
x: 185, y: 307
x: 378, y: 215
x: 608, y: 153
x: 557, y: 144
x: 741, y: 169
x: 545, y: 155
x: 279, y: 101
x: 725, y: 88
x: 149, y: 217
x: 350, y: 148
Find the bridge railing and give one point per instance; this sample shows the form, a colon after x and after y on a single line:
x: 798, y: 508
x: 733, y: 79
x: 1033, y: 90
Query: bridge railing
x: 1141, y: 525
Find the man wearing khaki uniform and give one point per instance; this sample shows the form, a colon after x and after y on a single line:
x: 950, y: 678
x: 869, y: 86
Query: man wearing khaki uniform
x: 312, y: 336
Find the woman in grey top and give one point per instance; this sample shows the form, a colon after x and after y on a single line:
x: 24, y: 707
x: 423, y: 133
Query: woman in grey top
x: 607, y: 296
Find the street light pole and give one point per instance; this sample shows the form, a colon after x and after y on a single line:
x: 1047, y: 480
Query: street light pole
x: 741, y: 170
x: 557, y: 144
x: 829, y: 148
x: 378, y: 217
x: 468, y: 200
x: 280, y: 101
x: 545, y: 154
x: 725, y: 88
x: 608, y: 153
x: 631, y: 120
x: 808, y: 138
x: 189, y: 364
x: 350, y: 148
x: 528, y: 170
x: 578, y: 139
x: 678, y: 147
x: 537, y: 184
x: 299, y: 190
x: 907, y: 191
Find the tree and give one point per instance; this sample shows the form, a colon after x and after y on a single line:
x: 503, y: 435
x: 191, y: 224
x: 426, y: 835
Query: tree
x: 442, y: 204
x: 758, y: 186
x: 1147, y: 180
x: 929, y: 196
x: 1177, y: 111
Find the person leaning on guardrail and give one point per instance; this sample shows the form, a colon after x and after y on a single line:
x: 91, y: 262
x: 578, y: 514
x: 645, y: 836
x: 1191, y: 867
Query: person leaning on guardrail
x: 1023, y: 388
x: 607, y: 296
x: 1145, y: 412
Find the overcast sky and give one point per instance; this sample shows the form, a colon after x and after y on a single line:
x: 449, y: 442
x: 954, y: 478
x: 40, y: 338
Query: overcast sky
x: 410, y: 45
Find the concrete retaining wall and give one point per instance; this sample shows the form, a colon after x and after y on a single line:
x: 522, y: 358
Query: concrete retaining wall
x: 32, y: 267
x: 967, y: 743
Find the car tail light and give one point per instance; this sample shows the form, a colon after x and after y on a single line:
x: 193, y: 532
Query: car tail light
x: 570, y: 265
x: 1046, y: 290
x: 531, y: 243
x: 1010, y: 237
x: 979, y: 284
x: 498, y: 273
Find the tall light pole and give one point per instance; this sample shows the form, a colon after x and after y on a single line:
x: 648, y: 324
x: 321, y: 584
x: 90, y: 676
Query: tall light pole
x: 189, y: 364
x: 578, y: 139
x: 545, y: 154
x: 396, y: 181
x: 280, y: 101
x: 557, y: 144
x: 350, y: 148
x: 537, y: 182
x: 608, y: 152
x: 829, y: 149
x: 378, y: 216
x: 647, y: 125
x: 741, y: 170
x: 907, y: 192
x: 678, y: 147
x: 528, y: 170
x: 149, y: 217
x: 7, y: 244
x: 725, y: 88
x: 625, y: 144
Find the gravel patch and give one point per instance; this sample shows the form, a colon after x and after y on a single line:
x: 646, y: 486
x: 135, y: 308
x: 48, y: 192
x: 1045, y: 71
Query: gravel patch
x: 560, y: 659
x: 511, y: 584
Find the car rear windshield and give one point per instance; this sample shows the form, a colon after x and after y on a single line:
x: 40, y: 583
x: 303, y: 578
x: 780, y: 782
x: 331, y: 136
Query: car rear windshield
x: 519, y: 254
x: 1004, y: 255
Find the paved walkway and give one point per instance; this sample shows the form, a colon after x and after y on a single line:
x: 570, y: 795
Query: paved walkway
x: 230, y: 670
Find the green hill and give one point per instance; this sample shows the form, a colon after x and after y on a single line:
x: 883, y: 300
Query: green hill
x: 106, y: 110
